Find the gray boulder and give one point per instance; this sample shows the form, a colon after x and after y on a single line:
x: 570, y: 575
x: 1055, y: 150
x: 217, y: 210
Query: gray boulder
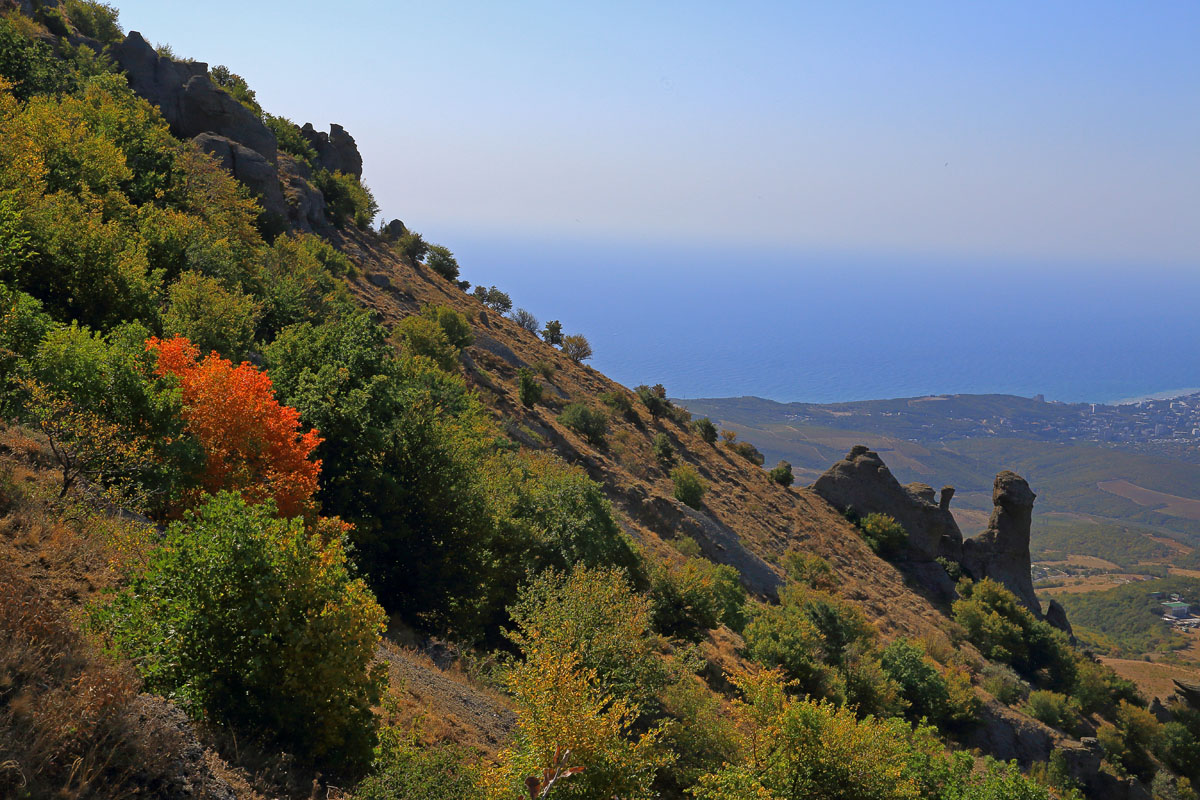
x: 1002, y: 551
x: 1056, y: 615
x: 189, y: 101
x: 336, y: 151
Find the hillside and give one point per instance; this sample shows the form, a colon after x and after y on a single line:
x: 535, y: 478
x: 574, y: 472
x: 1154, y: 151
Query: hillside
x: 285, y: 510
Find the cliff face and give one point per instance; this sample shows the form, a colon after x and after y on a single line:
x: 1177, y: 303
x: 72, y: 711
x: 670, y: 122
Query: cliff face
x: 1002, y: 551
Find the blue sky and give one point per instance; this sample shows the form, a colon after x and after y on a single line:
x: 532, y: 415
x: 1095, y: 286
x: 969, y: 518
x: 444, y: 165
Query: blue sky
x: 1055, y: 132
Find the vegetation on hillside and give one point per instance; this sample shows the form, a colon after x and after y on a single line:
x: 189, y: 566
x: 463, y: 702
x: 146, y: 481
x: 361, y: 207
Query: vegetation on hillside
x: 297, y: 470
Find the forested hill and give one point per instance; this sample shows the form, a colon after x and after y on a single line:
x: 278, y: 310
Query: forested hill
x: 288, y: 509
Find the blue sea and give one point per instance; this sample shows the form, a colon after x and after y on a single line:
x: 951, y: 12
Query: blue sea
x: 797, y: 326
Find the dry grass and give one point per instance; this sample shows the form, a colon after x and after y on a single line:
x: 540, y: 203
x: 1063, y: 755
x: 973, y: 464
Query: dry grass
x: 1154, y: 679
x: 1171, y: 504
x: 70, y: 723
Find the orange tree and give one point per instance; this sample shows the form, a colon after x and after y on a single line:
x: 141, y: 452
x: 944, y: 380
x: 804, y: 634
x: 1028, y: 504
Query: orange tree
x: 252, y: 444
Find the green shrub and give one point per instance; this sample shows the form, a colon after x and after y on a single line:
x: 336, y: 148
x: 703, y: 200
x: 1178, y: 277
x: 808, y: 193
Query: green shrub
x: 921, y: 683
x: 193, y: 619
x: 592, y: 425
x: 526, y: 320
x: 692, y: 598
x: 1004, y: 684
x: 547, y: 370
x: 442, y: 261
x: 97, y: 20
x: 413, y: 247
x: 346, y: 198
x: 404, y: 770
x: 453, y: 324
x: 705, y: 429
x: 748, y: 452
x: 287, y: 134
x: 595, y: 614
x: 619, y: 402
x: 953, y: 568
x: 529, y: 390
x: 654, y: 398
x: 663, y: 451
x: 782, y: 474
x: 552, y: 333
x: 1054, y: 709
x: 30, y: 65
x: 237, y: 86
x: 577, y: 348
x: 883, y: 534
x: 1005, y: 631
x: 421, y: 336
x: 689, y: 487
x: 211, y: 316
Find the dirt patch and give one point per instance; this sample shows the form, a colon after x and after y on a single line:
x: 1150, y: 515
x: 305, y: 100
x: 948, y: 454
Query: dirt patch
x: 1090, y: 583
x: 1170, y: 504
x: 445, y: 703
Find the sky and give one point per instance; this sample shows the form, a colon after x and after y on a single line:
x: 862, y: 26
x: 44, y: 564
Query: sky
x: 1055, y: 132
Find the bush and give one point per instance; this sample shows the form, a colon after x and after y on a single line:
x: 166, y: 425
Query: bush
x: 30, y: 65
x: 193, y: 619
x: 97, y: 20
x: 552, y: 333
x: 695, y: 597
x: 782, y: 474
x: 529, y: 390
x: 663, y: 450
x: 404, y: 770
x: 921, y: 683
x: 453, y: 324
x: 590, y: 424
x: 748, y: 452
x: 1005, y: 631
x: 422, y: 336
x: 412, y: 246
x: 705, y: 429
x: 1054, y: 709
x: 494, y: 299
x: 883, y: 534
x: 654, y: 399
x: 287, y: 134
x: 526, y: 320
x: 442, y: 261
x: 1004, y: 684
x: 237, y: 86
x: 577, y: 348
x: 619, y: 402
x: 346, y: 198
x: 689, y: 487
x: 211, y: 316
x: 596, y: 614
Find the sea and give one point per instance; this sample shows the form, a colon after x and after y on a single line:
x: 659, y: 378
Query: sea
x: 791, y: 325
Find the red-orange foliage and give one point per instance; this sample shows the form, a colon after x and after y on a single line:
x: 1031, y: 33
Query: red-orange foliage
x: 252, y: 444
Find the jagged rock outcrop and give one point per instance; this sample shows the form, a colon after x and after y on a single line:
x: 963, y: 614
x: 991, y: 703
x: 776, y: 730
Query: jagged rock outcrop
x: 1002, y: 551
x: 189, y: 101
x: 250, y: 167
x: 863, y: 482
x: 305, y: 203
x: 1056, y: 615
x: 336, y: 151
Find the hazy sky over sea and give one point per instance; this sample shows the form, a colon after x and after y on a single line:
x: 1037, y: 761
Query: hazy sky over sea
x: 1059, y: 132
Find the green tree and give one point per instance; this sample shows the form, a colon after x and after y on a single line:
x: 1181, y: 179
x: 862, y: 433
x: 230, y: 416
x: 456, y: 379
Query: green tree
x: 553, y: 333
x: 442, y: 261
x: 424, y: 337
x: 883, y: 534
x: 494, y: 299
x: 193, y: 619
x: 346, y: 198
x: 663, y: 451
x: 526, y: 320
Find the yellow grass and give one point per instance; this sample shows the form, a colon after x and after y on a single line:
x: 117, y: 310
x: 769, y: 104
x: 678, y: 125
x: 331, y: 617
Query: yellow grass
x: 1166, y: 503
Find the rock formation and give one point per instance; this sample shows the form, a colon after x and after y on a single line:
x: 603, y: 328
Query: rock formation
x: 250, y: 167
x: 1002, y: 551
x: 862, y: 481
x: 189, y: 101
x: 1056, y: 615
x: 336, y: 150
